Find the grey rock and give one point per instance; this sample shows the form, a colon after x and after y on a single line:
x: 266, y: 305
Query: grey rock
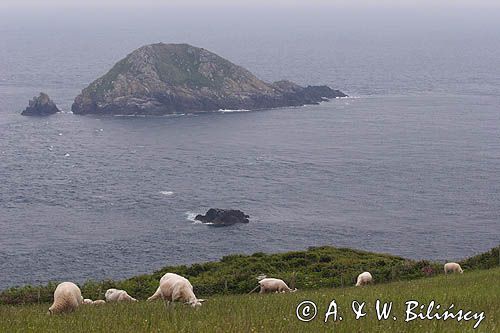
x: 223, y: 217
x: 40, y: 106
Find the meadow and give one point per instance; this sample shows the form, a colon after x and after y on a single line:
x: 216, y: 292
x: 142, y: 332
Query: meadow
x: 476, y: 290
x: 317, y: 267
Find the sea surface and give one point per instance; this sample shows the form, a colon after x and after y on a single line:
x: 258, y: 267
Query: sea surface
x: 409, y: 164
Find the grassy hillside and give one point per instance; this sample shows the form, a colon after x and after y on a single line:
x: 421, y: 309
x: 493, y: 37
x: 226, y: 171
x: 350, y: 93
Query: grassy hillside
x: 474, y: 290
x: 318, y: 267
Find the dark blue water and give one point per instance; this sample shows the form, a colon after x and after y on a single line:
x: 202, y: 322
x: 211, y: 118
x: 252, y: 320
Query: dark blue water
x: 409, y: 166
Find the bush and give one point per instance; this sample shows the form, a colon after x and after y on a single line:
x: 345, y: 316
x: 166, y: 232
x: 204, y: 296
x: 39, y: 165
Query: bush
x: 318, y: 267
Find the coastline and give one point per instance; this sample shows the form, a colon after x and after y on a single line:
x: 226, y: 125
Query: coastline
x: 314, y: 268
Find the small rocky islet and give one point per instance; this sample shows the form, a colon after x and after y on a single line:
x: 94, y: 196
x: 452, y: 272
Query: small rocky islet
x: 163, y: 79
x: 223, y: 217
x: 40, y: 105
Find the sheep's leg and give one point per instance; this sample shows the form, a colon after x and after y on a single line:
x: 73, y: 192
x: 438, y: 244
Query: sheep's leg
x: 156, y: 295
x: 251, y: 291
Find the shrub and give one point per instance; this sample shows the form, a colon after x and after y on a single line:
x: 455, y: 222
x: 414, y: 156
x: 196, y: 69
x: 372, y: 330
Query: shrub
x: 318, y: 267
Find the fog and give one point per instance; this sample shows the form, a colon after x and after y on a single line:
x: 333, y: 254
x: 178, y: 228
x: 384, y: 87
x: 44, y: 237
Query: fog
x: 255, y: 3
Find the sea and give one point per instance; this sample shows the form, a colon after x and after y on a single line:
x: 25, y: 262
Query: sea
x: 408, y: 164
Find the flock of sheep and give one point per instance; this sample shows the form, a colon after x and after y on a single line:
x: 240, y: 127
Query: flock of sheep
x: 173, y: 287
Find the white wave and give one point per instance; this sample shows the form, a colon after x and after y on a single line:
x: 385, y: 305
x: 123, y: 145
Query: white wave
x: 231, y: 110
x: 190, y: 217
x: 151, y: 115
x: 130, y: 115
x: 167, y: 193
x: 348, y: 97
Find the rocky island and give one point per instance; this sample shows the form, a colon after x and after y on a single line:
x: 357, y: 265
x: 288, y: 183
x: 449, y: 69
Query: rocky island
x: 223, y: 217
x: 178, y: 78
x: 40, y: 106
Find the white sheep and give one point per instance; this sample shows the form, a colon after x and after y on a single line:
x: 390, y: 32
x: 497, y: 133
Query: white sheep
x: 99, y: 302
x: 67, y: 297
x: 364, y: 278
x: 157, y: 293
x: 117, y: 295
x: 173, y: 288
x: 452, y: 267
x: 87, y: 301
x: 270, y: 285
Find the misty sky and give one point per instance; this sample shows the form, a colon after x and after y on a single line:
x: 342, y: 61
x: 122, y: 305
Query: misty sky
x: 235, y: 3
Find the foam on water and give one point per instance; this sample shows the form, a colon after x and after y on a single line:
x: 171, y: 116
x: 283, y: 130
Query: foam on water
x: 233, y: 110
x: 190, y: 216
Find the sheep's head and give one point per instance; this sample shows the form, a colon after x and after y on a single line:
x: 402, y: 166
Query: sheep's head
x: 461, y: 271
x: 195, y: 302
x: 294, y: 290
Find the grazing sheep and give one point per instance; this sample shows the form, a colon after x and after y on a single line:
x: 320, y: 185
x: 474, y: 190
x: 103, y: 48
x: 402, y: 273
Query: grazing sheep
x: 269, y: 285
x: 165, y: 277
x: 116, y: 295
x: 364, y: 278
x: 179, y: 289
x: 87, y: 301
x: 67, y: 297
x: 99, y: 302
x: 452, y: 267
x: 173, y: 288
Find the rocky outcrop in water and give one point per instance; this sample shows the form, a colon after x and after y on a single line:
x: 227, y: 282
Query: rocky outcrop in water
x: 40, y: 106
x: 221, y: 217
x: 178, y: 78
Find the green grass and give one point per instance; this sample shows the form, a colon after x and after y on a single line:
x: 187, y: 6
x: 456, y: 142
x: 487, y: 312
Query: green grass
x: 317, y: 267
x: 474, y: 290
